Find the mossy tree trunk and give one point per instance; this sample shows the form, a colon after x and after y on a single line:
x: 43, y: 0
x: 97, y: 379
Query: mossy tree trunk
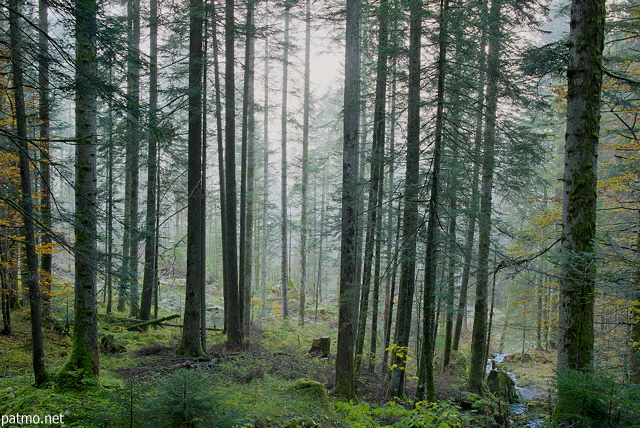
x: 29, y: 275
x: 481, y: 307
x: 577, y: 278
x: 348, y: 306
x: 83, y: 366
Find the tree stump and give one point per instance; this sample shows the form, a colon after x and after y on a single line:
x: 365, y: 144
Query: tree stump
x: 321, y: 346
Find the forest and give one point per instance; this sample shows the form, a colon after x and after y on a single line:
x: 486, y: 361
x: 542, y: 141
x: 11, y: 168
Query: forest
x: 296, y: 213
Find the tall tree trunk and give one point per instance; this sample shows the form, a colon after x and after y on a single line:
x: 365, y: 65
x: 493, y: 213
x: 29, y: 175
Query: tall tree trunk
x: 284, y: 277
x: 375, y: 303
x: 247, y: 171
x: 221, y: 172
x: 148, y: 282
x: 305, y: 164
x: 45, y: 171
x: 411, y: 196
x: 577, y: 278
x: 450, y: 295
x: 319, y: 273
x: 472, y: 209
x: 191, y: 342
x: 132, y: 153
x: 376, y: 181
x: 265, y: 180
x: 392, y: 232
x: 479, y: 335
x: 83, y: 366
x: 234, y: 319
x: 30, y: 269
x: 425, y: 372
x: 348, y: 310
x: 109, y: 201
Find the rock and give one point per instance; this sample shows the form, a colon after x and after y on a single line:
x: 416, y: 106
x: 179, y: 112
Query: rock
x: 502, y: 386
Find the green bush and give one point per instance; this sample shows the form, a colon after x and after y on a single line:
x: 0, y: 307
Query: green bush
x: 392, y: 414
x: 594, y: 399
x: 185, y: 398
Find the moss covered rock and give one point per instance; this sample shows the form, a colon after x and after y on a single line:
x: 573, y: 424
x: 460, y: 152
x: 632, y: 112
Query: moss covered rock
x: 502, y: 386
x: 312, y: 388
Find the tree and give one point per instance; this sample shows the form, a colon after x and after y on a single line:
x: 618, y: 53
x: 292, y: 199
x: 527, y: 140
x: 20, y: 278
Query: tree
x: 305, y: 163
x: 45, y: 170
x: 83, y: 366
x: 234, y: 318
x: 191, y: 343
x: 425, y: 372
x: 130, y: 238
x: 479, y: 335
x: 150, y: 255
x: 376, y: 181
x: 348, y: 305
x: 30, y: 275
x: 577, y: 278
x: 406, y: 286
x: 284, y: 277
x: 247, y: 169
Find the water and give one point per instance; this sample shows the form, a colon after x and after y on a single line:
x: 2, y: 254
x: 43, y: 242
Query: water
x: 524, y: 392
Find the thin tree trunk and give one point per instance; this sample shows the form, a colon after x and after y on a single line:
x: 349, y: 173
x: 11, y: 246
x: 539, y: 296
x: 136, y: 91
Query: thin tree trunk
x: 479, y: 335
x: 305, y: 164
x: 411, y: 196
x: 132, y: 153
x: 148, y: 282
x: 348, y: 310
x: 45, y: 170
x: 29, y: 274
x: 635, y: 327
x: 474, y: 201
x: 221, y: 173
x: 234, y: 320
x: 265, y: 181
x: 247, y: 172
x: 284, y: 277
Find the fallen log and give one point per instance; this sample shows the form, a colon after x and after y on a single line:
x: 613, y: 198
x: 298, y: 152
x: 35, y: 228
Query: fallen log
x: 161, y: 323
x: 152, y: 322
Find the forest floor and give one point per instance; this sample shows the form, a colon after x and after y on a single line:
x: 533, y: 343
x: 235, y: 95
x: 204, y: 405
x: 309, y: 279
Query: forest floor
x: 143, y: 381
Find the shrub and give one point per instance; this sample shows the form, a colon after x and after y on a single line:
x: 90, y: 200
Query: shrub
x: 596, y: 400
x: 185, y: 398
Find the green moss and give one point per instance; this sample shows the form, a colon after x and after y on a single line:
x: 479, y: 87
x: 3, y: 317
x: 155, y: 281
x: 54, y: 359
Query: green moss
x: 77, y: 372
x: 311, y: 388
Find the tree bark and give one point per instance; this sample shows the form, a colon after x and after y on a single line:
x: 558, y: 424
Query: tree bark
x: 29, y: 273
x: 234, y: 327
x: 305, y: 165
x: 191, y: 342
x: 284, y: 274
x: 577, y: 278
x: 479, y: 335
x: 411, y: 195
x: 348, y: 307
x: 83, y: 366
x: 425, y: 371
x: 45, y: 170
x: 148, y: 281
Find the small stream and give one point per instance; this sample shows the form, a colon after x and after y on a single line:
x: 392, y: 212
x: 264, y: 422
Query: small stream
x: 525, y: 393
